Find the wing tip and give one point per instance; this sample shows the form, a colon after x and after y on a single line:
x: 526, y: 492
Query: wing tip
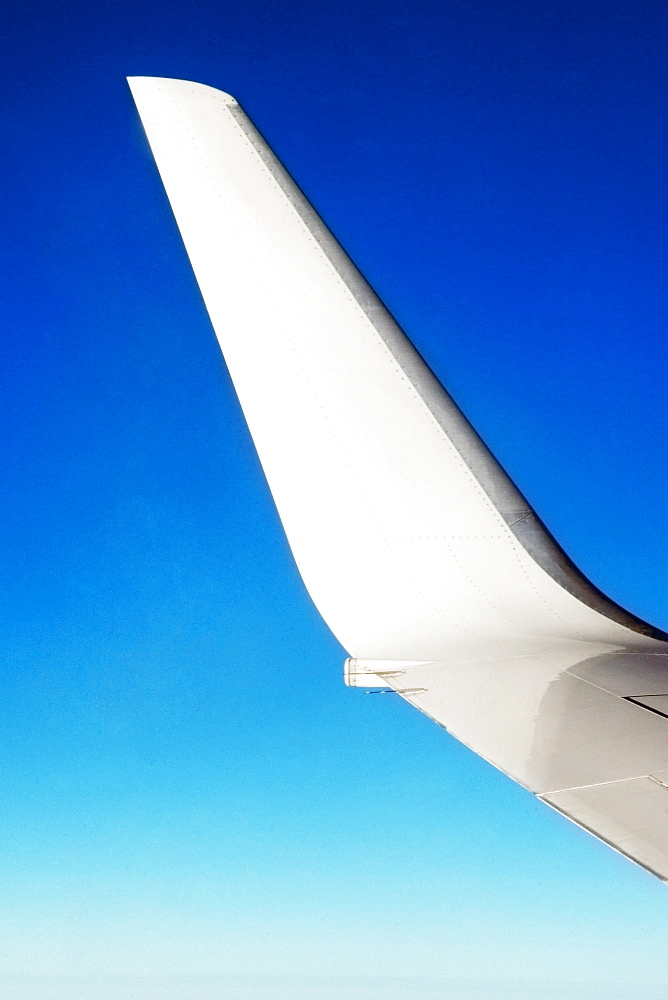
x: 142, y: 86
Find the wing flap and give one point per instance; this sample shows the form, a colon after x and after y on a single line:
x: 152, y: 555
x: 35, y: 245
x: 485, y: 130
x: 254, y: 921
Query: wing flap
x: 631, y: 816
x: 587, y: 747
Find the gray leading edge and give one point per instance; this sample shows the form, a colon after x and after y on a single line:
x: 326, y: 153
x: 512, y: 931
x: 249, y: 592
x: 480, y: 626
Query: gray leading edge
x: 423, y: 558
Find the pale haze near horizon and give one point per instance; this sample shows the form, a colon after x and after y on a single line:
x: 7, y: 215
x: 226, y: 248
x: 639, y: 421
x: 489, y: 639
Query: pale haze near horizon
x: 304, y: 988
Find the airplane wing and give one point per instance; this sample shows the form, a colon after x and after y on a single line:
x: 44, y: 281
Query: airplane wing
x: 421, y: 555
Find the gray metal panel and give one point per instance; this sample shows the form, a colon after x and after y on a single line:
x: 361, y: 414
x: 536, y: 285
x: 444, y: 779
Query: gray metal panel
x: 593, y: 755
x: 631, y: 816
x: 627, y: 674
x: 655, y: 703
x: 538, y: 723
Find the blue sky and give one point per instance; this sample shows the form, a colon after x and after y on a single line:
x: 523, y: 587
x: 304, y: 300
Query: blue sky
x: 189, y: 797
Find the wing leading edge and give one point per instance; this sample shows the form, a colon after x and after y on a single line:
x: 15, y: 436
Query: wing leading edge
x: 423, y: 558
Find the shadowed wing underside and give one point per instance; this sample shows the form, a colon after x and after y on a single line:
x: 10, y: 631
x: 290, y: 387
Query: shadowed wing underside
x: 421, y: 555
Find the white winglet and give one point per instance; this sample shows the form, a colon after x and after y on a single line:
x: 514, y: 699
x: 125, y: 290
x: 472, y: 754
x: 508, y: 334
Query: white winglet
x: 412, y: 541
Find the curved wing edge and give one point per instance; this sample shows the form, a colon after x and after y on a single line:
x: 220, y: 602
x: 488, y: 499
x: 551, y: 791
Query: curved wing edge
x: 521, y: 520
x: 515, y: 509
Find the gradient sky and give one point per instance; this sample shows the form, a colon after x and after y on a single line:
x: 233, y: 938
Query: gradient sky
x: 190, y: 799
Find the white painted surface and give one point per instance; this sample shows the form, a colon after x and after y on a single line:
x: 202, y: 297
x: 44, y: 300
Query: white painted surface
x: 402, y: 550
x: 538, y: 721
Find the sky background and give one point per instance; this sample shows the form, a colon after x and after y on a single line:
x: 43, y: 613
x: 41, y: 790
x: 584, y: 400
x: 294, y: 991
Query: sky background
x: 192, y: 805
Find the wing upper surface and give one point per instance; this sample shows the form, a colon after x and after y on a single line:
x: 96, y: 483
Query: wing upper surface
x: 587, y: 733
